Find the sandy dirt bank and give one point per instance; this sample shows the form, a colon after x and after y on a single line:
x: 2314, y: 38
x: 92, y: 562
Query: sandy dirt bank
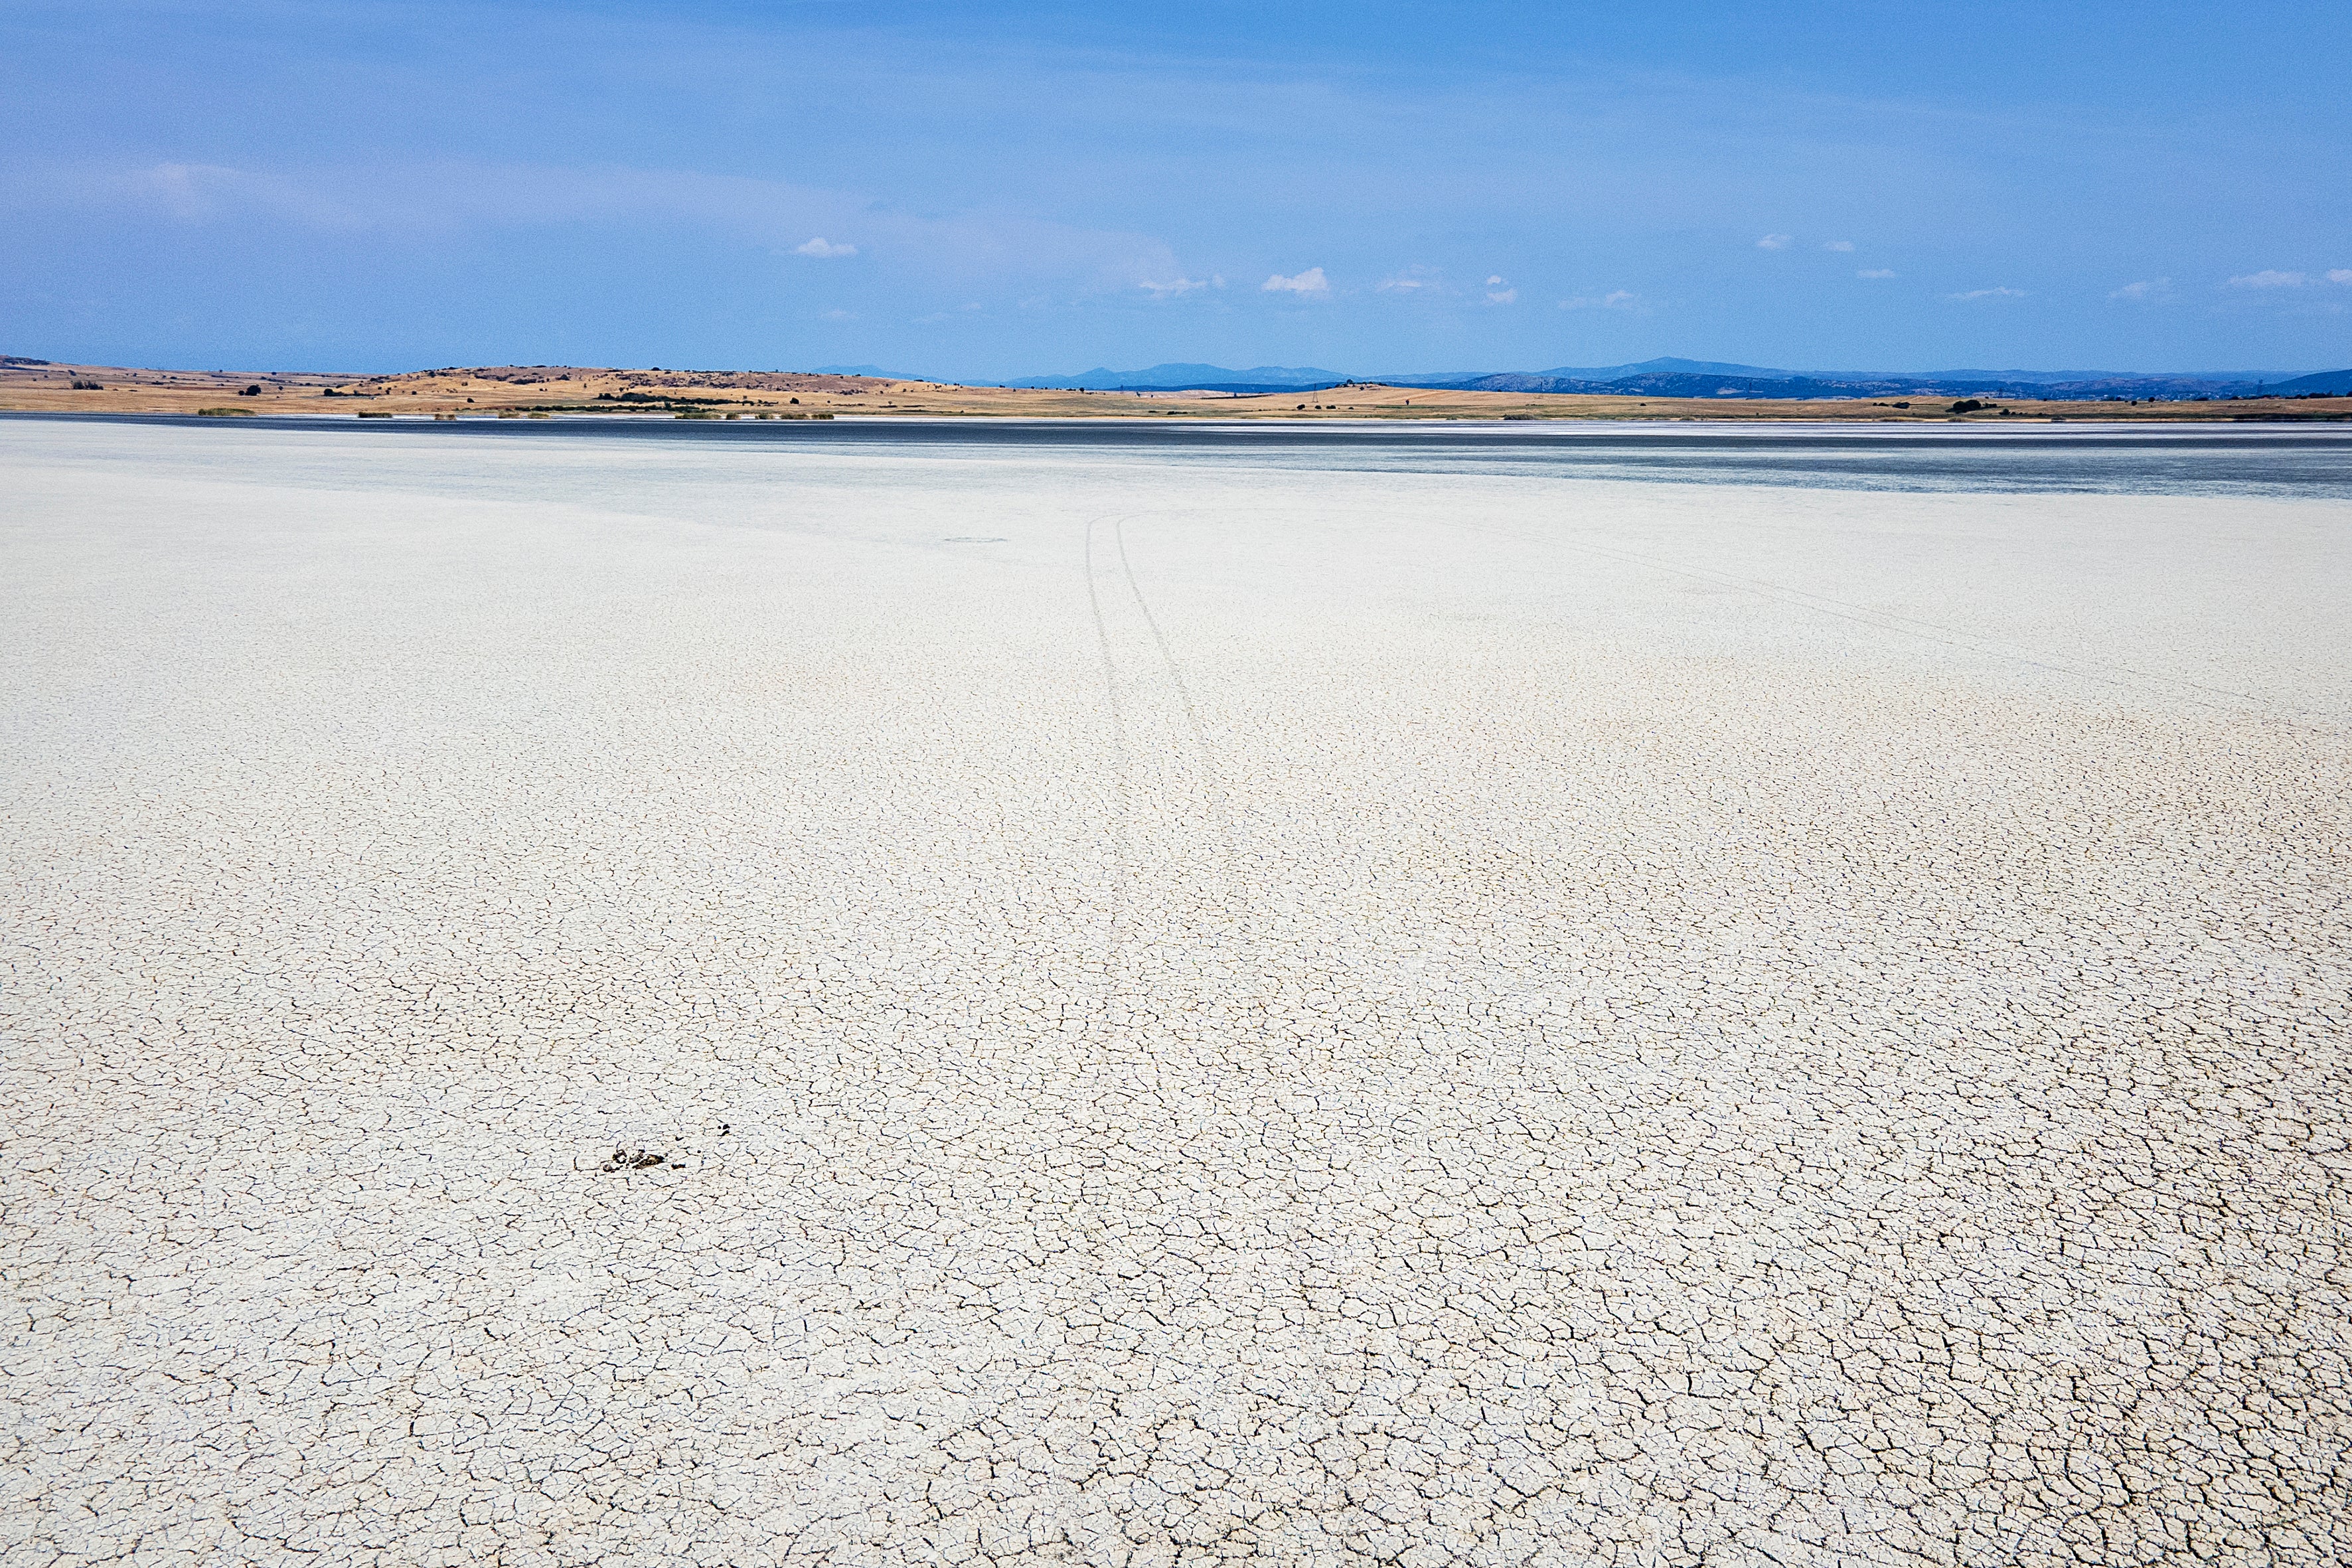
x: 485, y: 391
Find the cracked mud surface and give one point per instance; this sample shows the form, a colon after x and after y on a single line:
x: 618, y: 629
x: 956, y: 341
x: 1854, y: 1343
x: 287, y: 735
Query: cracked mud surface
x: 1191, y: 1011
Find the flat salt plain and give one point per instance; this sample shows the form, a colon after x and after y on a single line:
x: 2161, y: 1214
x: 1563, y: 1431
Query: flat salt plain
x: 1495, y: 995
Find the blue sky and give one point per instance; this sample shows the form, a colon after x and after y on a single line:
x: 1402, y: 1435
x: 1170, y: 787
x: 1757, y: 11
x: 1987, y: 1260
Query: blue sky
x: 986, y: 191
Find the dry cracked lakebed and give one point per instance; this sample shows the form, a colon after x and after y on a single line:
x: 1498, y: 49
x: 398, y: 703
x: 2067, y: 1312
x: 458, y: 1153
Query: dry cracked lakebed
x: 1292, y: 1008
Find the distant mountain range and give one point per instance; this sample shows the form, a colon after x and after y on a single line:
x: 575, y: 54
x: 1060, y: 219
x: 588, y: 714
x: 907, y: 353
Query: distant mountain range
x: 1710, y: 378
x: 1686, y: 378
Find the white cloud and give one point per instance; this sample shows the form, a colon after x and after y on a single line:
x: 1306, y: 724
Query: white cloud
x: 1496, y: 281
x: 2340, y: 275
x: 1310, y: 281
x: 1990, y: 294
x: 1775, y: 242
x: 823, y: 246
x: 1177, y: 287
x: 1408, y: 280
x: 1500, y: 292
x: 1875, y: 272
x: 2146, y: 289
x: 1839, y: 245
x: 2269, y: 279
x: 836, y: 316
x: 1617, y: 299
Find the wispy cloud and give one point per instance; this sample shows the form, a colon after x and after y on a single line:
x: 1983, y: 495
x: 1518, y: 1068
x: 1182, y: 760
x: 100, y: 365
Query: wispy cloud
x: 447, y: 201
x: 2146, y: 289
x: 835, y: 316
x: 1775, y: 242
x: 1616, y: 300
x: 1500, y: 292
x: 2271, y: 278
x: 189, y: 190
x: 1414, y: 281
x: 1989, y: 294
x: 1875, y: 272
x: 1839, y: 245
x: 199, y: 193
x: 1177, y: 287
x: 1310, y: 281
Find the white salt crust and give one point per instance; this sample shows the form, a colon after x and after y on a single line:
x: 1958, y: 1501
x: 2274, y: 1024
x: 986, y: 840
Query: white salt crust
x: 1192, y: 1010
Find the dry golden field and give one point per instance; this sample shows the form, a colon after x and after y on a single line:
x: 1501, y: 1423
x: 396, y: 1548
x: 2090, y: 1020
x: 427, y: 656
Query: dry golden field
x: 525, y: 389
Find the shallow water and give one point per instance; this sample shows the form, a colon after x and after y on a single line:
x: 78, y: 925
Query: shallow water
x: 2121, y: 459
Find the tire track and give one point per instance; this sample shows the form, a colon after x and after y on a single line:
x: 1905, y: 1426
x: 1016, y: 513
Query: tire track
x: 1218, y: 800
x: 1187, y: 942
x: 1116, y: 831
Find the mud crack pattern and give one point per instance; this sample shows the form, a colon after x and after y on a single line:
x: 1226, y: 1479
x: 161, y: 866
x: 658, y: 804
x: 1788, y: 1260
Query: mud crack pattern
x: 1189, y: 1011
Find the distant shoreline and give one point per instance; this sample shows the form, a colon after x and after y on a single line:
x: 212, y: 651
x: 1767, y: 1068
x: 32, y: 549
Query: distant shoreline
x: 524, y: 392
